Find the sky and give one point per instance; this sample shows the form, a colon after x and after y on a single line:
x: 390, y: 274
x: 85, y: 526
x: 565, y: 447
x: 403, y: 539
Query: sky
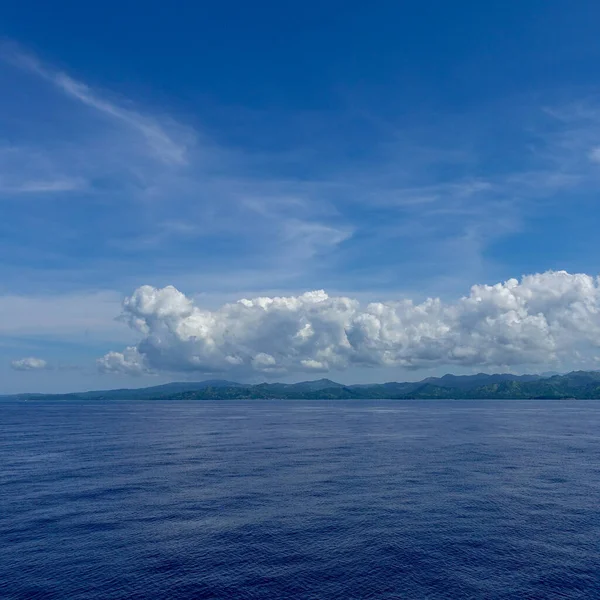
x: 287, y: 191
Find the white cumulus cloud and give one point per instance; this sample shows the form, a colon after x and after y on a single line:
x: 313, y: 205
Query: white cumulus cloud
x: 128, y: 362
x: 29, y: 364
x: 540, y: 319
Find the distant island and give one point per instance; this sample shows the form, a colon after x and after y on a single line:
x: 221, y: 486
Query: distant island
x: 576, y: 385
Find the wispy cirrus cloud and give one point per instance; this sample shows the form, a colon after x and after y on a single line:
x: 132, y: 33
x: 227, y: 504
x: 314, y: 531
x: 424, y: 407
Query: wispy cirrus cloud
x: 29, y: 171
x: 163, y: 144
x: 41, y: 187
x: 445, y: 196
x: 165, y: 209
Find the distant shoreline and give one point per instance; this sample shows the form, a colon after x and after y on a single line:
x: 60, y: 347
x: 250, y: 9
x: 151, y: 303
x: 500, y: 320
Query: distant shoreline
x: 577, y: 385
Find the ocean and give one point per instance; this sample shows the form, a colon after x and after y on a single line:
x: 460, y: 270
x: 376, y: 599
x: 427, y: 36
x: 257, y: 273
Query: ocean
x: 300, y: 500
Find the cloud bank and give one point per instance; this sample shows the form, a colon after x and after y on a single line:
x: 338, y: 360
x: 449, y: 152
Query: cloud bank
x: 29, y: 364
x: 540, y: 319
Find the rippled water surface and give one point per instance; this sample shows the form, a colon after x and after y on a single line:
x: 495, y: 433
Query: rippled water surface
x: 311, y: 500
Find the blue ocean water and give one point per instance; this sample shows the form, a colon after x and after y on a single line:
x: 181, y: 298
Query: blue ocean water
x: 308, y: 500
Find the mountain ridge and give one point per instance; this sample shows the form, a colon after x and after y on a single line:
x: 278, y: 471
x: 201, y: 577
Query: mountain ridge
x: 576, y: 384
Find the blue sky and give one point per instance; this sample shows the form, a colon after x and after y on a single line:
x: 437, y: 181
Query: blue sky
x: 377, y: 151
